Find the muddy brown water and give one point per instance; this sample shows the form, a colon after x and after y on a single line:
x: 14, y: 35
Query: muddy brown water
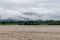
x: 26, y: 32
x: 39, y: 28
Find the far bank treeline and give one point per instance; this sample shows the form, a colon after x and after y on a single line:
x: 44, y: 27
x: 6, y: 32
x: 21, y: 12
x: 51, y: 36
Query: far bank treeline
x: 37, y: 22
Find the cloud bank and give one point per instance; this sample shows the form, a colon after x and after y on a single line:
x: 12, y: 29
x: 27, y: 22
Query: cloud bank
x: 30, y: 9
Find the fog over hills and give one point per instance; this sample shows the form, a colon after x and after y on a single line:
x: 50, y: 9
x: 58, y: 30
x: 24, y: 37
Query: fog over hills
x: 28, y: 16
x: 30, y: 10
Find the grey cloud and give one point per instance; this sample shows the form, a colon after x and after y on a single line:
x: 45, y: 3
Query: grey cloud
x: 41, y: 9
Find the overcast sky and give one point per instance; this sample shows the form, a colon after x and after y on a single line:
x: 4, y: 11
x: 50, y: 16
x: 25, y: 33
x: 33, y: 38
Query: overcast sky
x: 42, y: 9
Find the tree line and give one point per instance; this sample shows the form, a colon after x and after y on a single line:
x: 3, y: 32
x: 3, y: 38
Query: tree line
x: 37, y: 22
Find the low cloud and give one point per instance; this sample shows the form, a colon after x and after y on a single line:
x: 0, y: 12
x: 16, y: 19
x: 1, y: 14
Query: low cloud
x: 37, y: 9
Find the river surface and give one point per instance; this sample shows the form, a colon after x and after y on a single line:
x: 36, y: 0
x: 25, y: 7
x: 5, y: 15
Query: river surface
x: 35, y: 28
